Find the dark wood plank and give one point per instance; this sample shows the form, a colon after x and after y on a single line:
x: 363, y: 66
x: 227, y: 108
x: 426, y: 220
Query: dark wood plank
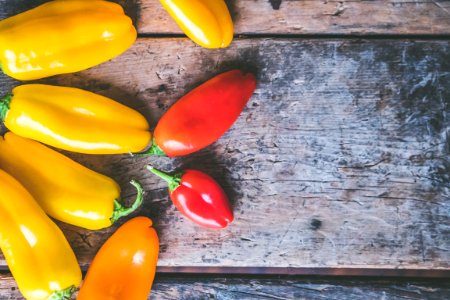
x: 339, y: 160
x: 295, y: 289
x: 192, y: 287
x: 296, y: 17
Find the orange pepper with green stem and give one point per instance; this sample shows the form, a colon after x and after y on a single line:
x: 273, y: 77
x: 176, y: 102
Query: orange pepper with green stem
x: 60, y: 37
x: 125, y: 266
x: 65, y: 189
x: 38, y: 255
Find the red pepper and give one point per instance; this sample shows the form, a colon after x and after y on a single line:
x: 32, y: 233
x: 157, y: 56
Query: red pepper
x: 199, y: 197
x: 125, y: 266
x: 203, y: 115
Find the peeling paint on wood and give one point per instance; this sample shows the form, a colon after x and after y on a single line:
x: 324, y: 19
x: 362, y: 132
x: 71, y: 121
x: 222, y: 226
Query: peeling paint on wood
x: 354, y: 134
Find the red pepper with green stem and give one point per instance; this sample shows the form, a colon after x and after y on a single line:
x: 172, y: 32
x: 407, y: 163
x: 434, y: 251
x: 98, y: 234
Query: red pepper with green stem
x: 199, y: 197
x: 203, y: 115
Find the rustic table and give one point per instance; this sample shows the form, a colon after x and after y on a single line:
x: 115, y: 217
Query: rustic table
x: 339, y: 165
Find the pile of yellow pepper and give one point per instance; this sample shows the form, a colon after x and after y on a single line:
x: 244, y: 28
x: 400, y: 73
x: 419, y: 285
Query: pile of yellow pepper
x: 59, y: 37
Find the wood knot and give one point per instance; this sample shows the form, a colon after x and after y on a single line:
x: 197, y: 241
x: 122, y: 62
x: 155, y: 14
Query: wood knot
x: 315, y: 224
x: 275, y: 4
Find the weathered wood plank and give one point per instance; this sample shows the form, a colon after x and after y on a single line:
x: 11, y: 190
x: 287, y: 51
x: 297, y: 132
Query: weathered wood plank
x: 296, y: 17
x: 182, y: 288
x: 341, y: 158
x: 318, y: 17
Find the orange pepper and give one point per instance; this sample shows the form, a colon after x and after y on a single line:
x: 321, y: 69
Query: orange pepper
x: 125, y: 266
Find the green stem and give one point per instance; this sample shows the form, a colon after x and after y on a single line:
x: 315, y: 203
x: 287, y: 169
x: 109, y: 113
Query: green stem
x: 4, y: 106
x: 122, y: 211
x: 65, y: 294
x: 154, y: 150
x: 174, y: 181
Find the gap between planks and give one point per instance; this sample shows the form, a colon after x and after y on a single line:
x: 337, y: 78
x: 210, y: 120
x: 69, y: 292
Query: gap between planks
x: 325, y: 36
x: 274, y: 271
x: 168, y: 287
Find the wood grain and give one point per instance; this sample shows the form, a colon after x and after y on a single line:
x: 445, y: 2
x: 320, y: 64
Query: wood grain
x: 296, y: 17
x: 341, y: 158
x: 192, y: 287
x: 318, y: 17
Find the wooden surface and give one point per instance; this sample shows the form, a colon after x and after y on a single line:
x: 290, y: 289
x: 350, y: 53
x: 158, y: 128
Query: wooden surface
x: 192, y: 287
x: 340, y: 160
x: 391, y: 17
x: 318, y: 17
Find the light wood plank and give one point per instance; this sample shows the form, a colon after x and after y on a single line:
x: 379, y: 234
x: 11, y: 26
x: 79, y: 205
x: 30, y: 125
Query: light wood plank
x: 339, y: 160
x: 318, y: 17
x: 296, y: 17
x: 184, y: 288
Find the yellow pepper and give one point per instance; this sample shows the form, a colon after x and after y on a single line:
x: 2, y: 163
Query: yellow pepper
x: 206, y: 22
x: 61, y: 37
x: 37, y: 253
x: 74, y: 120
x: 65, y: 189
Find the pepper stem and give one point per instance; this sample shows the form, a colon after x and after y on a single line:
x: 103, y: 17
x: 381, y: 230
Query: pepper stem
x: 4, y: 106
x: 65, y: 294
x: 154, y: 150
x: 121, y: 211
x: 174, y: 181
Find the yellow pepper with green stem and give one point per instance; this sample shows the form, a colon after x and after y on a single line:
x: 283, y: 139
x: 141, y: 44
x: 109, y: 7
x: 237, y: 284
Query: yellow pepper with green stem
x: 75, y: 120
x: 206, y: 22
x: 65, y: 189
x: 38, y: 255
x: 60, y: 37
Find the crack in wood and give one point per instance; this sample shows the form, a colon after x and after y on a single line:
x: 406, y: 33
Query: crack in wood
x: 340, y: 8
x: 85, y: 239
x: 440, y: 6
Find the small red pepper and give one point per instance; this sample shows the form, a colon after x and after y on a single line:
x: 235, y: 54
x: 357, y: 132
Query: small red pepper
x: 203, y: 115
x: 199, y: 197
